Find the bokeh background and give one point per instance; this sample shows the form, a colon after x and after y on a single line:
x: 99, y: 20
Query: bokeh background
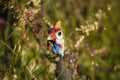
x: 92, y: 38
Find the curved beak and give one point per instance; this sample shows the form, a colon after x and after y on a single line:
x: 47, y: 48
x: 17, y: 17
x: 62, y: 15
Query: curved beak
x: 49, y: 38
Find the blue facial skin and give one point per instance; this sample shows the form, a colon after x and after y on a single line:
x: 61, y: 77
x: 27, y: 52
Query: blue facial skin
x: 57, y: 50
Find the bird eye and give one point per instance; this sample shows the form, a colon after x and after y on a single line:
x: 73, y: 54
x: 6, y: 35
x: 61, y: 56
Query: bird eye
x: 59, y: 33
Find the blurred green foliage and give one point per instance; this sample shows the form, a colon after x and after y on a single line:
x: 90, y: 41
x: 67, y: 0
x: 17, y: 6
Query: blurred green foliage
x: 23, y: 33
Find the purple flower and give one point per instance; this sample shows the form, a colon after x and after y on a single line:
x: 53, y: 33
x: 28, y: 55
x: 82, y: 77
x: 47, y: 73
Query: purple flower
x: 78, y: 70
x: 71, y: 60
x: 3, y: 21
x: 70, y: 56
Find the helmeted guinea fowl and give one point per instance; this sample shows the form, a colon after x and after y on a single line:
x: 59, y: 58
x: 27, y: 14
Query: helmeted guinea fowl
x: 56, y: 37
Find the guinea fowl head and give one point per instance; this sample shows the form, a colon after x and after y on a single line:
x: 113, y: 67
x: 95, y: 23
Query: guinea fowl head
x: 56, y: 37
